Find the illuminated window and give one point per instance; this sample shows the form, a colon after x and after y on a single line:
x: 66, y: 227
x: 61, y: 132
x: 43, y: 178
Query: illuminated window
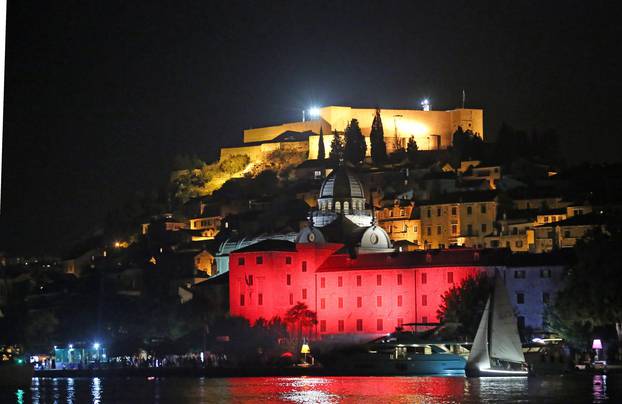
x: 259, y: 260
x: 322, y: 303
x: 337, y: 206
x: 454, y: 229
x: 424, y: 300
x: 401, y: 212
x: 340, y: 325
x: 304, y: 266
x: 378, y: 301
x: 346, y: 207
x: 520, y: 298
x: 359, y: 280
x: 546, y: 298
x: 399, y: 279
x: 340, y: 281
x: 240, y: 261
x: 288, y: 260
x: 359, y: 301
x: 289, y: 279
x: 450, y: 277
x: 545, y: 273
x: 519, y: 274
x: 322, y: 282
x: 322, y: 325
x: 379, y: 324
x: 291, y: 298
x: 241, y: 300
x: 340, y: 303
x: 359, y: 325
x: 378, y: 280
x: 260, y: 299
x: 304, y: 293
x: 399, y: 301
x: 424, y: 278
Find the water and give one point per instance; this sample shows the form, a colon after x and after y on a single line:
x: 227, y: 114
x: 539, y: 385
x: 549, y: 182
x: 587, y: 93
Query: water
x: 389, y: 390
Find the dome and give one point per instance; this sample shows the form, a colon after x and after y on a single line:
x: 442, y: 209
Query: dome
x: 340, y: 183
x: 375, y: 238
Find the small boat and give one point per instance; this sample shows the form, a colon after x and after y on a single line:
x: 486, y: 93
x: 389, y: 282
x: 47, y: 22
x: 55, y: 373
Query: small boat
x: 404, y: 353
x: 497, y: 349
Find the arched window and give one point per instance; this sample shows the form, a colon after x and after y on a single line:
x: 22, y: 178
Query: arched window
x: 330, y: 205
x: 337, y: 206
x: 346, y: 206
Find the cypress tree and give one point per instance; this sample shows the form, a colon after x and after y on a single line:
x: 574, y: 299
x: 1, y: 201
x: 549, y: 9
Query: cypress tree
x: 336, y: 147
x: 321, y: 153
x: 355, y: 146
x: 376, y: 136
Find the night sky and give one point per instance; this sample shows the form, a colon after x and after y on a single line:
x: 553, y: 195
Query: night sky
x: 99, y: 98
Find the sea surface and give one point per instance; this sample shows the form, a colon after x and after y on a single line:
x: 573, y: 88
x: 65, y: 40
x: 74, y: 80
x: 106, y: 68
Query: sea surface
x: 367, y: 390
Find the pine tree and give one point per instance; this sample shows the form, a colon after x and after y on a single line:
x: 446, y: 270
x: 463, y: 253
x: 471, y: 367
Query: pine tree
x: 355, y: 146
x: 376, y: 136
x: 336, y: 147
x: 412, y: 149
x: 321, y: 153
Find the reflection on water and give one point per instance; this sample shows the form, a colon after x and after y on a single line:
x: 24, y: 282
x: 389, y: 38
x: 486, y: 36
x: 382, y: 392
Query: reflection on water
x: 386, y: 390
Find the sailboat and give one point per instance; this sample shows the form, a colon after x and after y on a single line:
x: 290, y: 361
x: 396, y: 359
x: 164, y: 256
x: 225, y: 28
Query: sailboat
x: 497, y: 350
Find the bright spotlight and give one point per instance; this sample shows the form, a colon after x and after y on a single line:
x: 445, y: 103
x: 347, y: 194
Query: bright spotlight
x: 96, y: 345
x: 425, y: 104
x: 314, y: 112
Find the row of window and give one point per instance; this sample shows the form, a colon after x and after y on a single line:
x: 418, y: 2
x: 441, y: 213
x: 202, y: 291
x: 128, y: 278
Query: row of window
x: 356, y: 205
x: 522, y: 274
x: 454, y: 210
x: 259, y: 261
x: 520, y: 297
x: 359, y: 324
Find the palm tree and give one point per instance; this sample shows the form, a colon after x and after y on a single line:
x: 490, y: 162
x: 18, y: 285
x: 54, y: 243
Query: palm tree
x: 300, y: 316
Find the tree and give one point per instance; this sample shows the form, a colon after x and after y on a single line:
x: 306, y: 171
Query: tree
x: 376, y: 137
x: 234, y: 164
x: 412, y: 149
x: 336, y: 147
x: 465, y: 304
x: 321, y: 153
x: 355, y: 146
x: 591, y: 289
x: 300, y: 317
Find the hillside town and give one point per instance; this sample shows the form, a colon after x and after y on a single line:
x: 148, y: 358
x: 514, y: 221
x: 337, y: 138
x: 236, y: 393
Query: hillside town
x: 336, y: 229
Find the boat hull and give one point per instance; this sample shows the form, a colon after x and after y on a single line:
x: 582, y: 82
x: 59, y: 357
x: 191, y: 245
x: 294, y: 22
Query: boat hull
x: 435, y: 364
x: 14, y: 375
x: 476, y: 372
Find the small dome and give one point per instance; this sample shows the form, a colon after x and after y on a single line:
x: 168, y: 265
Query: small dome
x: 375, y: 238
x: 340, y: 183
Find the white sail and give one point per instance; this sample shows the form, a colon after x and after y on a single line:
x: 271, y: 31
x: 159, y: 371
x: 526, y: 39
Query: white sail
x: 478, y: 357
x: 504, y: 340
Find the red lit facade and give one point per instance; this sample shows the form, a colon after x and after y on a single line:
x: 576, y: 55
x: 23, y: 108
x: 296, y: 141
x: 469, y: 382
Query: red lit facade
x: 366, y: 294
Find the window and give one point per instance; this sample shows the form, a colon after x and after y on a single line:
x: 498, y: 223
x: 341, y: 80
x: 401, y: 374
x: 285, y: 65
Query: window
x: 250, y: 280
x: 424, y: 278
x: 546, y: 297
x: 260, y: 299
x: 469, y: 229
x: 379, y: 301
x: 519, y: 243
x: 494, y: 243
x: 240, y: 261
x: 484, y: 228
x: 566, y: 233
x: 424, y: 300
x: 400, y: 321
x: 359, y: 301
x: 469, y: 210
x: 424, y: 319
x: 288, y: 260
x: 545, y: 273
x: 439, y: 230
x: 520, y: 322
x: 322, y: 325
x: 546, y: 219
x: 519, y: 274
x: 322, y: 282
x: 291, y: 298
x: 438, y: 211
x: 340, y: 326
x: 289, y: 279
x: 454, y: 229
x: 429, y: 230
x: 259, y: 260
x: 241, y: 300
x: 520, y: 298
x: 304, y: 293
x: 482, y: 208
x: 399, y: 301
x: 337, y: 206
x: 378, y: 280
x: 429, y: 212
x: 346, y: 207
x: 450, y: 277
x: 454, y: 211
x: 322, y: 303
x: 359, y: 325
x: 340, y: 302
x: 304, y: 266
x: 340, y: 281
x: 401, y: 212
x: 399, y: 279
x: 359, y: 280
x: 379, y: 324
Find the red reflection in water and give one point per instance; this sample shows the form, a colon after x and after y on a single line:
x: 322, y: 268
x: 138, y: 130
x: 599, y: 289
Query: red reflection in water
x: 348, y: 389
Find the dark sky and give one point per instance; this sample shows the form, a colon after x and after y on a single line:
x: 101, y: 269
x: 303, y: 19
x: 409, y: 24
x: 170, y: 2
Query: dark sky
x: 100, y: 97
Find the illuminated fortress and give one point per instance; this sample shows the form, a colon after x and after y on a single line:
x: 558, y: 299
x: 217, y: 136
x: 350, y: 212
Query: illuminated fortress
x: 432, y: 130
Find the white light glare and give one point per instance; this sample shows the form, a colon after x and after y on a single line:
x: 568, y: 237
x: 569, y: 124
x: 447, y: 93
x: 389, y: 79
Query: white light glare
x: 96, y: 345
x: 314, y: 112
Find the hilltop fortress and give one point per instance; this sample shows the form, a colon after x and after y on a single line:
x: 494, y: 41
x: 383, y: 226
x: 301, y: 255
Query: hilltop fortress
x: 432, y: 130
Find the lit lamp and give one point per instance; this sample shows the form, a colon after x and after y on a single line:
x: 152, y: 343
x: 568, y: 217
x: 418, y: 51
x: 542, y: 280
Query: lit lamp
x: 597, y: 345
x: 305, y: 350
